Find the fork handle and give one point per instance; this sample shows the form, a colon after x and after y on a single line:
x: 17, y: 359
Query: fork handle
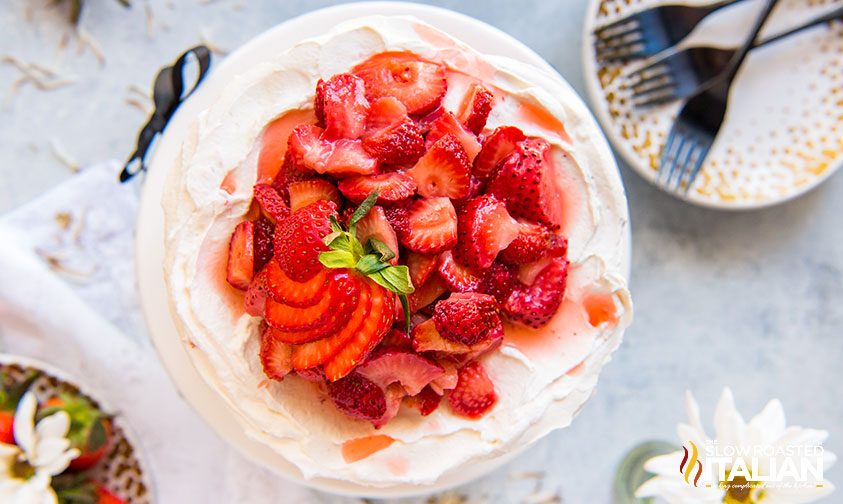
x: 831, y: 16
x: 743, y: 51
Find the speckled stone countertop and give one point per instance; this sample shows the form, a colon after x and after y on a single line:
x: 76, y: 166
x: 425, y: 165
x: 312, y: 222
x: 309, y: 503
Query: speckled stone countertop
x: 752, y: 300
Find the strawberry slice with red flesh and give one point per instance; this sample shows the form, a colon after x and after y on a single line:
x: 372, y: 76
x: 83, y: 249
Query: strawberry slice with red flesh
x: 444, y: 170
x: 474, y: 395
x: 305, y: 192
x: 468, y: 318
x: 421, y: 266
x: 476, y: 108
x: 391, y: 186
x: 485, y: 228
x: 448, y: 124
x: 420, y: 85
x: 427, y: 293
x: 358, y: 397
x: 525, y: 181
x: 310, y: 149
x: 241, y: 256
x: 499, y: 281
x: 532, y: 243
x: 397, y: 338
x: 298, y: 240
x: 456, y: 276
x: 395, y: 395
x: 271, y: 203
x: 399, y: 144
x: 426, y: 401
x: 368, y: 336
x: 496, y: 147
x: 303, y: 325
x: 534, y: 305
x: 254, y: 302
x: 448, y: 380
x: 285, y: 290
x: 427, y: 339
x: 288, y: 173
x: 375, y: 225
x: 319, y: 352
x: 275, y: 356
x: 431, y: 226
x: 343, y: 105
x: 385, y: 112
x: 411, y: 370
x: 264, y: 242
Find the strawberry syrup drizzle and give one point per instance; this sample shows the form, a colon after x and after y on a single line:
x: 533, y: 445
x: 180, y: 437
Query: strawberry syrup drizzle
x: 274, y: 142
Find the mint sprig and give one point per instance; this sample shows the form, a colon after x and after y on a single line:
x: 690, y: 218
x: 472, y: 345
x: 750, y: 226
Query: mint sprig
x: 370, y: 259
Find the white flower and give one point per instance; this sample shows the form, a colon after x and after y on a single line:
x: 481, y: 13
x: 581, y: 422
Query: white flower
x: 42, y: 451
x: 765, y: 438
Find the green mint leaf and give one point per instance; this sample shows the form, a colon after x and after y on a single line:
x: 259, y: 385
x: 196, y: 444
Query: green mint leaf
x: 399, y: 278
x: 337, y: 259
x: 405, y: 304
x: 369, y: 264
x: 380, y: 248
x: 364, y: 208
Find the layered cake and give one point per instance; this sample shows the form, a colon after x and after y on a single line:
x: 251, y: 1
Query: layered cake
x: 394, y: 257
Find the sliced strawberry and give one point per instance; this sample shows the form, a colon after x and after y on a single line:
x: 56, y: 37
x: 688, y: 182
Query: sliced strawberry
x: 448, y: 380
x: 348, y: 157
x: 241, y: 256
x: 104, y: 496
x: 558, y: 246
x: 457, y: 277
x: 375, y: 225
x: 411, y: 370
x: 288, y: 173
x: 344, y: 106
x: 444, y: 170
x: 397, y: 338
x: 499, y: 281
x: 368, y: 336
x: 527, y: 273
x: 420, y: 85
x: 421, y: 267
x: 271, y: 203
x: 525, y: 181
x: 254, y: 302
x: 532, y: 243
x: 476, y: 108
x: 298, y: 240
x: 392, y: 187
x: 319, y: 352
x: 485, y: 228
x: 399, y: 144
x: 275, y: 356
x: 397, y: 215
x: 309, y: 148
x: 7, y: 428
x: 496, y: 147
x: 385, y: 112
x: 448, y: 124
x: 314, y: 375
x: 426, y: 401
x: 285, y: 290
x: 431, y: 226
x: 427, y: 293
x: 427, y: 339
x: 474, y: 394
x: 264, y: 242
x: 468, y: 318
x: 358, y: 397
x: 305, y: 192
x: 534, y: 305
x: 394, y: 396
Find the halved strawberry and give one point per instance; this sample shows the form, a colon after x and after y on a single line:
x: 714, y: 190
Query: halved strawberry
x: 358, y: 397
x: 375, y: 225
x: 343, y: 105
x: 391, y: 186
x: 525, y: 181
x: 427, y: 293
x: 288, y: 173
x: 368, y: 336
x: 458, y: 277
x: 420, y: 85
x: 285, y: 290
x: 468, y: 318
x: 476, y: 107
x: 411, y: 370
x: 534, y: 305
x: 426, y: 401
x: 319, y: 352
x: 309, y: 149
x: 421, y: 267
x: 497, y: 146
x: 264, y: 242
x: 385, y: 112
x: 275, y: 356
x: 271, y: 203
x: 399, y: 144
x: 305, y: 192
x: 474, y: 394
x: 241, y: 256
x: 298, y: 240
x: 532, y: 243
x: 448, y: 124
x: 431, y: 226
x: 485, y: 228
x: 444, y: 170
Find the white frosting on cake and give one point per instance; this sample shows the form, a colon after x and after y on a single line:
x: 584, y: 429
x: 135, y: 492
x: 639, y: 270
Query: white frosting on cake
x: 542, y: 377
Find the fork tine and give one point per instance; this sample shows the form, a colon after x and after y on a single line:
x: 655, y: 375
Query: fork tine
x: 644, y: 95
x: 683, y: 166
x: 621, y: 54
x: 609, y: 40
x: 698, y: 163
x: 643, y: 84
x: 657, y: 100
x: 628, y: 20
x: 653, y: 71
x: 665, y: 157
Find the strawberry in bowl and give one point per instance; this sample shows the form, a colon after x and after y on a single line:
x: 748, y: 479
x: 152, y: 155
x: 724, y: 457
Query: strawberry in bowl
x: 424, y: 248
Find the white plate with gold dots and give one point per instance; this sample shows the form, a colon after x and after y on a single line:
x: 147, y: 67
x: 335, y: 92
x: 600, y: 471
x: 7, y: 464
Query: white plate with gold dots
x: 783, y: 133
